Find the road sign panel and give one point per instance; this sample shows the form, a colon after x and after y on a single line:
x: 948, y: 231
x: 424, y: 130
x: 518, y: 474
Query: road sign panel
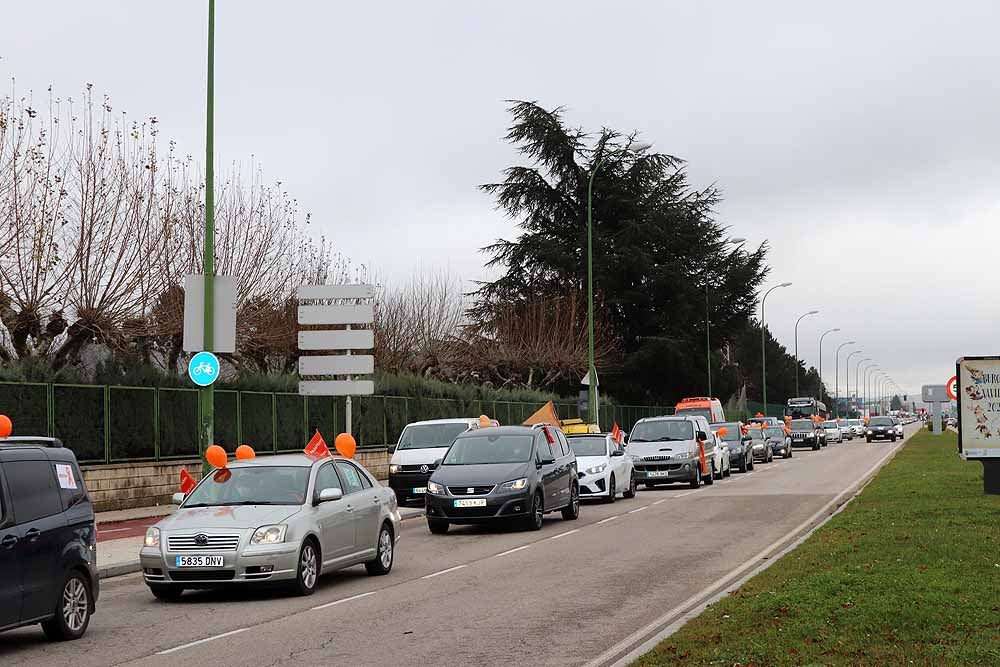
x: 224, y: 322
x: 353, y: 339
x: 305, y: 292
x: 934, y: 393
x: 336, y: 387
x: 350, y: 314
x: 952, y: 387
x: 203, y: 369
x: 361, y: 364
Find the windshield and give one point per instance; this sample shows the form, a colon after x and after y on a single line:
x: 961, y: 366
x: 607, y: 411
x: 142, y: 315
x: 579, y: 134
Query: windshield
x: 854, y: 422
x: 662, y: 431
x: 802, y: 425
x: 696, y: 412
x: 775, y: 432
x: 880, y: 421
x: 256, y: 485
x: 596, y: 446
x: 831, y: 425
x: 733, y: 431
x: 421, y: 436
x: 479, y: 449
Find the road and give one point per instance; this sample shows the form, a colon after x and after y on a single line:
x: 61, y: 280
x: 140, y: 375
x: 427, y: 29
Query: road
x: 484, y: 596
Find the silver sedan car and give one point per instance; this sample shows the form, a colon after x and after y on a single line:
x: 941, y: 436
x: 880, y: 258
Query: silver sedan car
x: 288, y: 518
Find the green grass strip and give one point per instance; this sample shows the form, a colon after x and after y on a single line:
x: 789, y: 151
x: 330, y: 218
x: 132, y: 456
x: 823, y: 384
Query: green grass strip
x: 907, y: 574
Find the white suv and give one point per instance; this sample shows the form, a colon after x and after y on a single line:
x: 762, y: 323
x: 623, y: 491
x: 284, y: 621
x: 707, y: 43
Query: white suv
x: 602, y: 466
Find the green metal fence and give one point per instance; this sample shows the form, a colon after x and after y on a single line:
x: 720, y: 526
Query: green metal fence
x: 110, y: 424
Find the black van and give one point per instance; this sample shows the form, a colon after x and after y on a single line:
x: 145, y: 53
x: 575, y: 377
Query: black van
x: 48, y: 539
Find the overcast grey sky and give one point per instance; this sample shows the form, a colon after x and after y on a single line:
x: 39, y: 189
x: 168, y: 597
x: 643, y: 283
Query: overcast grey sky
x: 858, y: 139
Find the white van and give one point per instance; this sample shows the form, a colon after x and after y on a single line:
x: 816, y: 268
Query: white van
x: 420, y: 445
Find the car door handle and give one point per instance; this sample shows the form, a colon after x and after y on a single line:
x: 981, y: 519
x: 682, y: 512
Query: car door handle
x: 32, y: 534
x: 348, y: 509
x: 375, y: 501
x: 8, y: 541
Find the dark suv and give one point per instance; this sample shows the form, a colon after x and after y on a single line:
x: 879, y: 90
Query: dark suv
x: 48, y: 539
x: 504, y: 472
x: 807, y: 433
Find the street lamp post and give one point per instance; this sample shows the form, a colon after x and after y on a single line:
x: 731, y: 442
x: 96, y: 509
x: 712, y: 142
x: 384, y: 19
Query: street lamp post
x: 708, y: 325
x: 811, y: 312
x: 869, y: 372
x: 847, y: 375
x: 836, y: 379
x: 592, y: 400
x: 763, y: 348
x: 825, y: 333
x: 857, y: 384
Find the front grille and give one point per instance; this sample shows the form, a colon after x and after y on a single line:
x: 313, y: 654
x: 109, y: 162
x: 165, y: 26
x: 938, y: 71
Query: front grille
x: 202, y: 575
x: 802, y: 435
x: 476, y: 490
x: 181, y: 543
x: 659, y: 457
x: 416, y: 468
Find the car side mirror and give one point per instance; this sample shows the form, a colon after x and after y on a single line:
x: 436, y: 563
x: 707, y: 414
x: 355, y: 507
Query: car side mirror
x: 701, y: 435
x: 177, y: 498
x: 330, y: 494
x: 618, y: 452
x: 546, y: 461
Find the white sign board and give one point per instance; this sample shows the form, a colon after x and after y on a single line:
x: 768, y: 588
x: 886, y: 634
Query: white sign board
x: 979, y: 407
x: 224, y: 322
x: 326, y: 292
x: 354, y: 339
x: 352, y: 314
x: 357, y: 364
x: 336, y: 387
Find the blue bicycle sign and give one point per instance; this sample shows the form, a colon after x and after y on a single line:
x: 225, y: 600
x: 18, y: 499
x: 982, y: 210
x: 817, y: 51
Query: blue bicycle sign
x: 203, y: 369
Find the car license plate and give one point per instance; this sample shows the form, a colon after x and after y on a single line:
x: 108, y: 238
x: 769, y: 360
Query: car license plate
x: 658, y: 473
x: 797, y: 440
x: 420, y: 489
x: 198, y: 561
x: 470, y: 502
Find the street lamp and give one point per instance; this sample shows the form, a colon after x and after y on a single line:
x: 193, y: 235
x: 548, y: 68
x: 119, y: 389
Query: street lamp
x: 811, y: 312
x: 635, y: 147
x: 828, y: 331
x: 763, y: 348
x: 847, y: 373
x: 708, y: 340
x: 836, y: 378
x: 869, y: 372
x: 857, y: 384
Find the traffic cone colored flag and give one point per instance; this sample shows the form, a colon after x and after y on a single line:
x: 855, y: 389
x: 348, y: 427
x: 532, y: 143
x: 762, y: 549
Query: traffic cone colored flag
x: 187, y: 482
x: 317, y: 446
x: 616, y: 433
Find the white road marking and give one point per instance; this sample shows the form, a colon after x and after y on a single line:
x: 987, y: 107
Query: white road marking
x: 343, y: 600
x: 450, y: 569
x: 610, y: 518
x: 202, y: 641
x: 638, y: 509
x: 510, y: 551
x: 568, y: 532
x: 661, y: 500
x: 687, y: 493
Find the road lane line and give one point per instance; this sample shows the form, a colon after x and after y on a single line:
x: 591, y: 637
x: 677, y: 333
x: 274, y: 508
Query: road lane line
x: 342, y: 600
x: 450, y: 569
x: 202, y: 641
x: 661, y: 500
x: 638, y: 509
x: 610, y: 518
x: 510, y: 551
x: 568, y: 532
x: 686, y: 493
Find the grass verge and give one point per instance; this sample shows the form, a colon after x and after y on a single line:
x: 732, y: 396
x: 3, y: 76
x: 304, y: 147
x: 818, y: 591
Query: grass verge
x: 907, y: 574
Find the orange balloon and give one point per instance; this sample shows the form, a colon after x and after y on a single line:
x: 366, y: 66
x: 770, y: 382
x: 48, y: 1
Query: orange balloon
x: 216, y: 456
x: 345, y: 445
x: 484, y: 421
x: 6, y: 426
x: 244, y: 452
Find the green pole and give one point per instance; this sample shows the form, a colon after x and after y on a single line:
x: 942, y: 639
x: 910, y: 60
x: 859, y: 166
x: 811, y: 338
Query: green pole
x: 592, y: 401
x: 207, y: 394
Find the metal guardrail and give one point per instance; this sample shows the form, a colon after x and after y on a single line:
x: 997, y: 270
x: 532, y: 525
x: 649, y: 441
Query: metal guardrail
x: 118, y: 424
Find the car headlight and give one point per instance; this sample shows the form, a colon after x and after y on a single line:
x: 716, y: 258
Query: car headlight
x: 152, y: 537
x: 393, y: 468
x: 514, y: 484
x: 682, y: 455
x: 869, y: 431
x: 596, y: 470
x: 434, y: 487
x: 269, y: 535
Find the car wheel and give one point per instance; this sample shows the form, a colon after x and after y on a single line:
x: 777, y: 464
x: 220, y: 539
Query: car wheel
x: 632, y: 487
x: 437, y: 527
x: 382, y: 563
x: 892, y: 439
x: 751, y: 462
x: 709, y: 479
x: 72, y: 613
x: 743, y: 463
x: 612, y: 491
x: 696, y: 482
x: 308, y: 569
x: 166, y: 592
x: 572, y: 511
x: 728, y: 471
x: 534, y: 519
x: 868, y: 440
x: 788, y: 452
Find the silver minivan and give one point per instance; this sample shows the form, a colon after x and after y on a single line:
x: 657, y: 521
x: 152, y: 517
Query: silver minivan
x: 288, y: 518
x: 666, y: 450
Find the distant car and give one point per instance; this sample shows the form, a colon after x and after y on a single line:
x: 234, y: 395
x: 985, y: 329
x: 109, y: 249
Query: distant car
x: 899, y: 427
x: 779, y: 440
x: 760, y: 445
x: 603, y: 468
x: 420, y: 445
x: 288, y: 518
x: 738, y: 444
x: 765, y: 421
x: 858, y: 427
x: 833, y: 433
x: 807, y: 433
x: 880, y: 428
x: 48, y: 539
x: 846, y: 432
x: 504, y: 472
x: 666, y: 450
x: 701, y: 406
x: 722, y: 463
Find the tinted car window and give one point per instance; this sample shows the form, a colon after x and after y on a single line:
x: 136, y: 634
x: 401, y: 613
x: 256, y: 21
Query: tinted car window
x: 563, y: 445
x: 351, y: 477
x: 419, y: 436
x: 590, y: 446
x: 802, y: 425
x: 33, y: 489
x: 486, y: 446
x: 70, y: 482
x: 662, y: 431
x: 327, y: 478
x: 542, y: 449
x: 365, y: 482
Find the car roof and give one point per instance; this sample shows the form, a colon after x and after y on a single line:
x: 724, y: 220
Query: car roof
x: 52, y: 448
x: 587, y: 435
x: 462, y: 420
x: 295, y: 460
x: 677, y: 418
x: 502, y: 430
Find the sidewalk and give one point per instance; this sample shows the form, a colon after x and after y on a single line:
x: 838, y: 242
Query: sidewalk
x: 120, y: 535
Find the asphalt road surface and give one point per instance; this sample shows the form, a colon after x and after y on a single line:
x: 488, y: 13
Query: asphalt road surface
x: 574, y: 593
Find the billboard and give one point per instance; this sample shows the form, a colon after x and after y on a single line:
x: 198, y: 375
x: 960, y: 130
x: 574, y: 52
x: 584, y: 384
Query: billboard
x: 978, y: 407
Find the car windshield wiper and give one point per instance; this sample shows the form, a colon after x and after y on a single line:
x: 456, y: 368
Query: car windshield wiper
x: 668, y: 439
x: 631, y: 440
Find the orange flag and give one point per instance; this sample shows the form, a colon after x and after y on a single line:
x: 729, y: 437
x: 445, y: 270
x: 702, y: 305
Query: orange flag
x: 317, y: 447
x: 616, y: 433
x: 187, y: 482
